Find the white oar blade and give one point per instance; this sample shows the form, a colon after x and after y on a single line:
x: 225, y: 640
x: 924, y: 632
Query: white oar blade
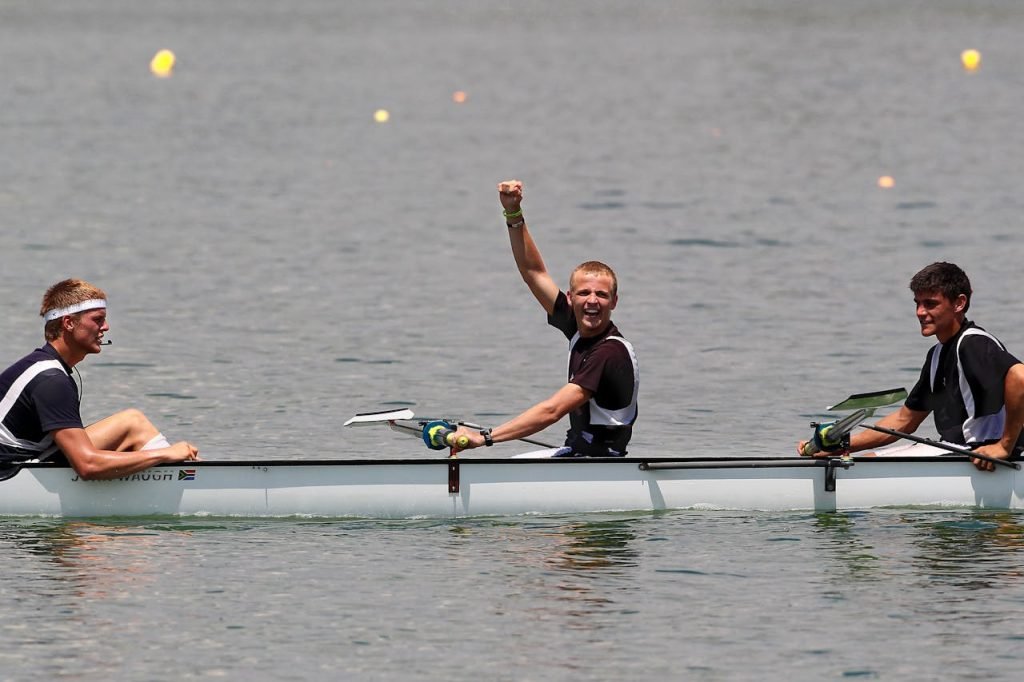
x: 365, y: 418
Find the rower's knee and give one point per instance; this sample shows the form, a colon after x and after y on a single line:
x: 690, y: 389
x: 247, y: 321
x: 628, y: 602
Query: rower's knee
x: 135, y: 418
x: 136, y: 425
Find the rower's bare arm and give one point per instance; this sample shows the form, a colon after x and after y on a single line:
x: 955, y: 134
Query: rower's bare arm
x: 903, y: 419
x: 532, y: 270
x: 524, y: 249
x: 543, y: 414
x: 1013, y: 397
x: 536, y: 418
x: 92, y: 463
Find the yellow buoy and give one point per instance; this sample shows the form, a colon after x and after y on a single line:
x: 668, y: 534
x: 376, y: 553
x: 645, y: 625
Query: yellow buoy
x: 886, y: 182
x: 971, y: 59
x: 381, y: 116
x: 162, y: 64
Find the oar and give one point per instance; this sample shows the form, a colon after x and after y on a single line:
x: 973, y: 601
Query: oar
x: 871, y: 401
x: 436, y: 434
x: 394, y: 417
x: 377, y: 417
x: 439, y: 434
x: 832, y: 436
x: 943, y: 446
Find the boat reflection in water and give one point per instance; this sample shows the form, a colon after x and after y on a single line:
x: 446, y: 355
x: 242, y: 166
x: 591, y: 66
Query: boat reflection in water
x: 577, y: 572
x: 972, y: 549
x: 597, y: 546
x: 844, y: 537
x: 591, y: 564
x: 87, y: 560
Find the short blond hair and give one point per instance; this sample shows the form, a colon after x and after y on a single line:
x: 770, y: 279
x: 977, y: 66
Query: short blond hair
x: 596, y: 267
x: 66, y: 293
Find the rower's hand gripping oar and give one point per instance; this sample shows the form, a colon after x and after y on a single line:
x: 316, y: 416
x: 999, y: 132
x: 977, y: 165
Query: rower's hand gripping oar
x: 437, y: 434
x: 395, y: 418
x: 835, y: 436
x: 440, y: 434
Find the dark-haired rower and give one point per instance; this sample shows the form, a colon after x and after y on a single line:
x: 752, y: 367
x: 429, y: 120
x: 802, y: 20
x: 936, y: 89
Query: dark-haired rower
x: 971, y: 384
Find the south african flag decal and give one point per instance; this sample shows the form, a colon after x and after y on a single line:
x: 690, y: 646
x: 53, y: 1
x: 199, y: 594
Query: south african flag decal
x: 186, y: 474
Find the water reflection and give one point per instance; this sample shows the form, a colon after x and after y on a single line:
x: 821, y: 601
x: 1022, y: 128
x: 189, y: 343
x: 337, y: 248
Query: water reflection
x: 972, y: 549
x: 93, y: 560
x: 587, y: 557
x: 975, y: 549
x: 578, y: 547
x: 589, y: 547
x: 575, y: 571
x: 843, y: 539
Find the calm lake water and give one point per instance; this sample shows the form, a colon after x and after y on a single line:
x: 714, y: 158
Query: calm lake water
x: 277, y: 261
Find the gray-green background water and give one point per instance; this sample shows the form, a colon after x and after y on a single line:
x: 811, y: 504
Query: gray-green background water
x: 277, y: 261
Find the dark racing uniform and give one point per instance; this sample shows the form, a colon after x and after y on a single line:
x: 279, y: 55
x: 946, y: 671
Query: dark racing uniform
x: 606, y: 366
x: 961, y: 384
x: 37, y: 397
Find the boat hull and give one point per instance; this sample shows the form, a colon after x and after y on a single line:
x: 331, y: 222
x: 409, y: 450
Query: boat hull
x: 445, y: 488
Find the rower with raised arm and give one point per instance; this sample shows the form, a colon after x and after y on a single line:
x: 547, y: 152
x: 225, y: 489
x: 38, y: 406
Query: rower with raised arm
x: 40, y: 415
x: 969, y: 381
x: 600, y: 396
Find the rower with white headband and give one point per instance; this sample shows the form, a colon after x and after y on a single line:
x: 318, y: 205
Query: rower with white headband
x: 40, y: 416
x: 57, y: 313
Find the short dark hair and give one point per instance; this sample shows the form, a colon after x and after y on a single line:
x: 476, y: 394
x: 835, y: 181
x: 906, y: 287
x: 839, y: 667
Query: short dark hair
x: 946, y: 278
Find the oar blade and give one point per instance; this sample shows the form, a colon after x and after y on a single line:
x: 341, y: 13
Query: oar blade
x: 366, y: 418
x: 870, y: 401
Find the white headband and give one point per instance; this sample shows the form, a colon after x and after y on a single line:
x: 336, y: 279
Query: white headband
x: 57, y: 313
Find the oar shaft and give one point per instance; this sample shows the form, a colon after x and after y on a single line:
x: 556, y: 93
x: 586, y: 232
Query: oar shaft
x: 943, y: 446
x: 537, y: 442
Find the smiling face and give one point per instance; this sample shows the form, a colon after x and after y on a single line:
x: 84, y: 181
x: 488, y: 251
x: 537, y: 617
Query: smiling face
x: 592, y: 298
x: 939, y: 316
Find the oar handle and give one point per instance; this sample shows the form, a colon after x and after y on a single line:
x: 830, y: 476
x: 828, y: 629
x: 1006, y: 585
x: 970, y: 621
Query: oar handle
x: 834, y: 436
x: 451, y: 441
x: 824, y: 440
x: 439, y: 435
x: 809, y: 448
